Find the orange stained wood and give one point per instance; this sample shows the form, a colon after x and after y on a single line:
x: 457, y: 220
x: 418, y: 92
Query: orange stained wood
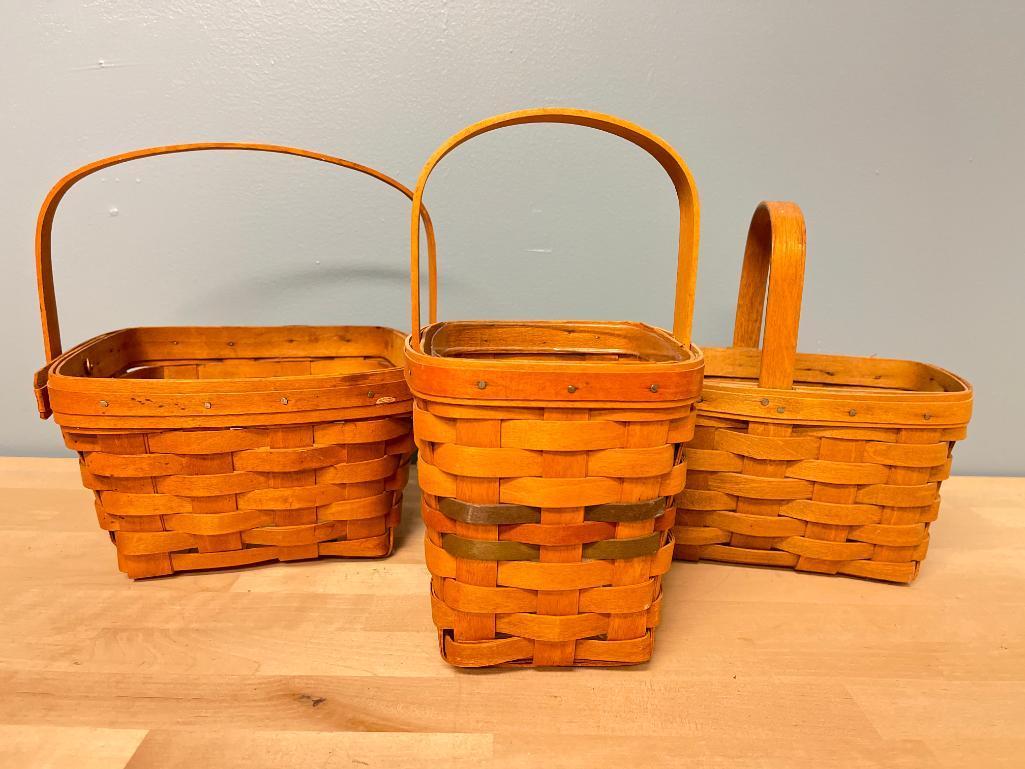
x: 820, y: 463
x: 230, y: 446
x: 549, y: 458
x: 677, y: 170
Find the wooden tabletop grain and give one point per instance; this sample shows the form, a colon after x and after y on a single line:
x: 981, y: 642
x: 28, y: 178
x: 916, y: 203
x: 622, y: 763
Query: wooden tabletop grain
x: 335, y: 663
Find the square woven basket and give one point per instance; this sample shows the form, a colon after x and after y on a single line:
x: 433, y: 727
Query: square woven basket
x: 223, y: 447
x: 818, y: 463
x: 550, y: 453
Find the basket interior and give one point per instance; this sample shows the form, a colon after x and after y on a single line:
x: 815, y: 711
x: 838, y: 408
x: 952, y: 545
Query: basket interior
x: 819, y: 373
x: 553, y: 341
x: 240, y: 352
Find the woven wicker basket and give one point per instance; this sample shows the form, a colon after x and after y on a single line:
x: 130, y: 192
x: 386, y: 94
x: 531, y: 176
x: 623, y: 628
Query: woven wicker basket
x: 814, y: 462
x: 549, y: 456
x: 220, y: 447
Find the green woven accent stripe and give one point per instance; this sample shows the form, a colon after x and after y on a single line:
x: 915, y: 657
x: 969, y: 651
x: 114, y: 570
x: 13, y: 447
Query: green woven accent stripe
x: 492, y: 550
x: 619, y: 512
x: 488, y: 515
x: 612, y: 549
x: 489, y: 550
x: 499, y: 514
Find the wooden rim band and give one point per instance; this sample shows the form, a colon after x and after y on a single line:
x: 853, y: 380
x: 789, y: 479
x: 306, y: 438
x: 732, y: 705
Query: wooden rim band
x: 504, y: 513
x: 492, y: 550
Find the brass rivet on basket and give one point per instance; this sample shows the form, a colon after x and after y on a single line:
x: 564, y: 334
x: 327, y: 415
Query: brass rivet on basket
x: 765, y: 401
x: 371, y: 394
x: 853, y: 412
x: 208, y: 405
x: 231, y: 344
x: 481, y: 384
x: 284, y: 401
x: 571, y: 389
x: 926, y: 416
x: 104, y: 403
x: 654, y: 388
x: 780, y: 409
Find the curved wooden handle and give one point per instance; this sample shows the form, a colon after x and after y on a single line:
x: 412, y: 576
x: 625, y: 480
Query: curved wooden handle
x: 44, y: 226
x: 687, y: 252
x: 772, y: 280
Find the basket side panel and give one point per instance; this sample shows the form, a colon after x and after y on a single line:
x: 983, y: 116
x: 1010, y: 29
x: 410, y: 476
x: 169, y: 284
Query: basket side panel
x: 825, y: 498
x: 548, y: 528
x: 180, y: 500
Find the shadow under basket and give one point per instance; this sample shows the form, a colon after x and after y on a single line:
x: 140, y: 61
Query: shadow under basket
x: 222, y: 447
x: 549, y: 456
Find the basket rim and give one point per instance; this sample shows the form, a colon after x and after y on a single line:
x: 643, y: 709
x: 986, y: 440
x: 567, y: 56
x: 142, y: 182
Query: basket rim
x: 539, y: 383
x: 693, y: 357
x: 56, y: 373
x: 94, y: 423
x: 725, y: 397
x: 71, y: 394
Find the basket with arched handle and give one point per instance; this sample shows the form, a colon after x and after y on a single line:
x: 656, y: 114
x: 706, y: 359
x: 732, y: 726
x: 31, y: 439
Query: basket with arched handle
x: 550, y: 452
x: 819, y: 463
x: 211, y: 447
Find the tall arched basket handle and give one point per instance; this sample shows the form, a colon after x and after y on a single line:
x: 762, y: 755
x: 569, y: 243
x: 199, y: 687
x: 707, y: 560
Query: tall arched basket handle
x: 44, y: 227
x: 658, y: 148
x: 772, y: 281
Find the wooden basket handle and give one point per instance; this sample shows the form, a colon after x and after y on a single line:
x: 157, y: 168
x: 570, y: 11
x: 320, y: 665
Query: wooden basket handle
x: 44, y: 227
x: 772, y: 280
x: 658, y: 148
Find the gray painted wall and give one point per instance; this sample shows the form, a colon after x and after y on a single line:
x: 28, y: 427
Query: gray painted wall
x: 897, y: 126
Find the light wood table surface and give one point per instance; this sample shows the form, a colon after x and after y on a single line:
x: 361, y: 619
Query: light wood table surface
x: 335, y: 663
